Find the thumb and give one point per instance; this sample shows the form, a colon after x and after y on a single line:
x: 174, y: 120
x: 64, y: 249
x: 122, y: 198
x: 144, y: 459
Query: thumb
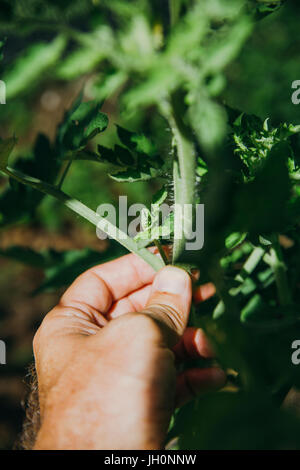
x: 170, y: 301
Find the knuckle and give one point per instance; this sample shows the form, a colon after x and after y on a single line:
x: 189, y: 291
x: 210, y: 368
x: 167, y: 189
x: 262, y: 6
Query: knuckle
x: 169, y: 316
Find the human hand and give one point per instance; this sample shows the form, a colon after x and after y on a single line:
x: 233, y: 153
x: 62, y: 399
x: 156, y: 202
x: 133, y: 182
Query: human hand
x: 105, y: 358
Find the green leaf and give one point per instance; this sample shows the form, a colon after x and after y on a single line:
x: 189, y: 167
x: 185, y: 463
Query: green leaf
x: 63, y: 126
x: 133, y: 175
x: 82, y: 124
x: 6, y: 147
x: 209, y: 122
x: 32, y: 66
x: 201, y: 167
x: 154, y: 89
x: 124, y: 157
x: 80, y: 62
x: 187, y: 35
x: 145, y: 218
x: 107, y: 85
x: 225, y: 49
x: 136, y: 142
x: 155, y: 232
x: 107, y: 155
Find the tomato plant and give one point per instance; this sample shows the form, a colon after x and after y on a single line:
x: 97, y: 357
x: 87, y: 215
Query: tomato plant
x: 165, y: 63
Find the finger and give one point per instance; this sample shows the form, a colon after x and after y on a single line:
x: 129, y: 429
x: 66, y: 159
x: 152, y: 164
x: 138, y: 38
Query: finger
x: 102, y: 285
x: 193, y: 344
x: 204, y: 292
x: 195, y: 275
x: 132, y: 303
x: 193, y: 382
x: 169, y: 302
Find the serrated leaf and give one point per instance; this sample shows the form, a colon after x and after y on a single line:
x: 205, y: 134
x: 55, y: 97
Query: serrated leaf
x: 136, y: 142
x: 107, y: 155
x: 124, y: 157
x: 133, y: 175
x: 83, y: 124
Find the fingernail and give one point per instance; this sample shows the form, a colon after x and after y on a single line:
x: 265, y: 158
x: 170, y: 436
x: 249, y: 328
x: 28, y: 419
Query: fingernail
x: 172, y: 280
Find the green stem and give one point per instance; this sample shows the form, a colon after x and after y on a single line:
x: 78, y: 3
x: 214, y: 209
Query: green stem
x: 88, y: 214
x: 184, y: 182
x: 277, y: 263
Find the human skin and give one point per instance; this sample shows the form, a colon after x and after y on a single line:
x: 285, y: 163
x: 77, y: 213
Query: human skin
x: 106, y: 358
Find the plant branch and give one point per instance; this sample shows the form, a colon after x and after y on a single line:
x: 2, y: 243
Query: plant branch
x: 88, y: 214
x: 184, y: 181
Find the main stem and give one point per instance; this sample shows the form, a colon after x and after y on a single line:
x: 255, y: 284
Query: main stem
x: 79, y: 208
x: 184, y: 182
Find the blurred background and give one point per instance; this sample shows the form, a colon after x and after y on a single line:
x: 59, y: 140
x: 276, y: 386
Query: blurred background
x: 259, y: 82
